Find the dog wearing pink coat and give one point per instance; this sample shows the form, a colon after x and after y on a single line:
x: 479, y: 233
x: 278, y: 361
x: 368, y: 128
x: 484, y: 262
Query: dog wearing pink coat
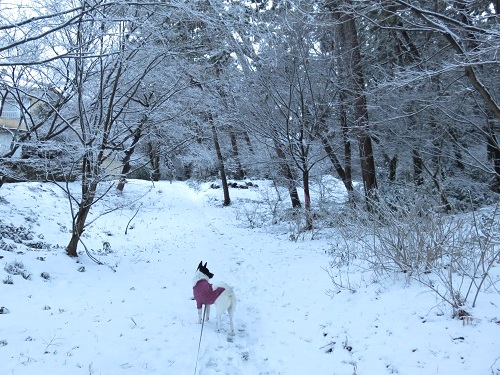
x: 222, y: 296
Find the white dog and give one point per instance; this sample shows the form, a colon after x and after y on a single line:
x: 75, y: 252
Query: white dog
x: 222, y: 297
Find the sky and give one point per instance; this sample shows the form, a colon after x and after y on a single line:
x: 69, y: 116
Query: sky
x: 134, y: 314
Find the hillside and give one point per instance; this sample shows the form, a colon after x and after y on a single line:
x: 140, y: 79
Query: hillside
x: 134, y: 314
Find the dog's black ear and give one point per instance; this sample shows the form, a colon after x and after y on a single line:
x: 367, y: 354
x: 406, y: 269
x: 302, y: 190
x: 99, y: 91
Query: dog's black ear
x: 205, y: 264
x: 200, y: 265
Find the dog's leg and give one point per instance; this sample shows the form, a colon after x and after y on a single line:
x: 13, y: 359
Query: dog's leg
x: 218, y: 318
x: 231, y: 323
x: 230, y: 312
x: 218, y: 313
x: 208, y: 312
x: 199, y: 316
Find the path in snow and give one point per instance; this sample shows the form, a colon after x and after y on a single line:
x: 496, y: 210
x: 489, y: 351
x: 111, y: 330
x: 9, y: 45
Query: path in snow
x: 136, y: 317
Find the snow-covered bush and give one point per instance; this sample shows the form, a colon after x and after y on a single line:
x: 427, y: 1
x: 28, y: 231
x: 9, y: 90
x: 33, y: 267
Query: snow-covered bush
x: 7, y: 246
x: 252, y: 213
x: 413, y: 238
x: 453, y: 255
x: 269, y: 209
x: 16, y: 234
x: 17, y: 268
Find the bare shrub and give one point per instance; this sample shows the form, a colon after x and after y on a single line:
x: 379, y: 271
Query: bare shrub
x: 415, y: 240
x: 17, y: 268
x: 453, y: 255
x: 253, y: 214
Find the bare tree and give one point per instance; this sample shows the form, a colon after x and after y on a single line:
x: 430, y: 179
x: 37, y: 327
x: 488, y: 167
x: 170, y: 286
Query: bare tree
x: 352, y: 76
x: 37, y: 99
x: 108, y: 68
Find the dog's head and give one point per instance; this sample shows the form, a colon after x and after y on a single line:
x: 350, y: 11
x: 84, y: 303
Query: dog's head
x: 204, y: 270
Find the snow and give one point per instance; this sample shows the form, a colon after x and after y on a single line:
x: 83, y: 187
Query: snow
x: 135, y: 314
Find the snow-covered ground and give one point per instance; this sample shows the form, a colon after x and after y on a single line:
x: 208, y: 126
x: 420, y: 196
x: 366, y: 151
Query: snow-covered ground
x: 134, y: 315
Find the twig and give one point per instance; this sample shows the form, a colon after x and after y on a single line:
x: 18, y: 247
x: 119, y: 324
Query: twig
x: 136, y: 212
x: 90, y: 255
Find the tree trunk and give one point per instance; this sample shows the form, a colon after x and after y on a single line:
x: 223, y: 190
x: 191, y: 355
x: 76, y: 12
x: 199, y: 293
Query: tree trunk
x: 353, y: 75
x: 155, y: 171
x: 436, y: 178
x: 493, y: 148
x: 240, y: 173
x: 88, y: 194
x: 248, y: 141
x: 336, y: 163
x: 287, y: 173
x: 128, y: 154
x: 344, y: 126
x: 307, y: 199
x: 418, y: 168
x: 78, y: 226
x: 392, y: 164
x: 361, y: 111
x: 493, y: 151
x: 154, y: 160
x: 225, y: 188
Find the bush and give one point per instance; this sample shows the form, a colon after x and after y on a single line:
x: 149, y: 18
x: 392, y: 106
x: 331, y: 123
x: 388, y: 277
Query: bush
x: 453, y: 255
x: 37, y: 170
x: 17, y: 268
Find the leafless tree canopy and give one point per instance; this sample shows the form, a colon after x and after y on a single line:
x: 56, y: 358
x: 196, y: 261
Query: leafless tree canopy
x: 400, y: 96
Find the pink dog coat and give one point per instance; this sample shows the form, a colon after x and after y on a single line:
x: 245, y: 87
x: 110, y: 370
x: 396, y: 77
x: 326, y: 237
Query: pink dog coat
x: 204, y: 294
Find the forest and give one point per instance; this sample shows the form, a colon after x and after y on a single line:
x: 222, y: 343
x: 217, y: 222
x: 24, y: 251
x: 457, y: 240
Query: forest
x: 337, y: 162
x: 398, y: 100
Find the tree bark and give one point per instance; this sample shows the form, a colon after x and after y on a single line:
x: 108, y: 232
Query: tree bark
x: 240, y: 173
x: 352, y: 66
x: 307, y: 199
x: 392, y: 164
x: 418, y: 168
x: 336, y: 164
x: 128, y: 154
x: 78, y: 226
x: 222, y: 171
x: 154, y: 160
x: 89, y: 189
x: 344, y: 126
x: 493, y: 151
x: 248, y: 141
x: 287, y: 173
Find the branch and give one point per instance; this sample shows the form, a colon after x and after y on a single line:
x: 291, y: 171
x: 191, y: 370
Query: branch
x: 436, y: 20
